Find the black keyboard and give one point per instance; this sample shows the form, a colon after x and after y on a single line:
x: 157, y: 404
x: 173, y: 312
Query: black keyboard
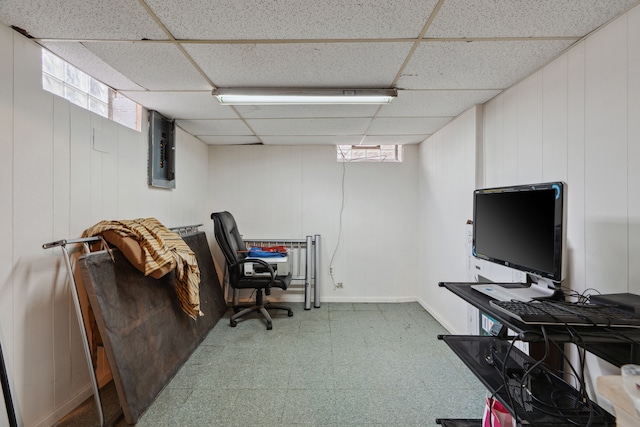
x: 566, y: 313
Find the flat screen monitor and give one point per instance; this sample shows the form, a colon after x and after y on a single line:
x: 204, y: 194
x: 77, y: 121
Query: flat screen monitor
x: 522, y: 227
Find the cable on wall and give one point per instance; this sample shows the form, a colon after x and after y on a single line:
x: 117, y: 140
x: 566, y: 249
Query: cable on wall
x: 344, y: 169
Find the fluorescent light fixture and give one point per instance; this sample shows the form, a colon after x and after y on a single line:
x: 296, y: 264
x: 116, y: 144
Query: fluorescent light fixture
x: 293, y: 96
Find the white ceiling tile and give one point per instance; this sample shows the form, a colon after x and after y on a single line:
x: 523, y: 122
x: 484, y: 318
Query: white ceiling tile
x: 293, y: 19
x: 229, y: 140
x: 154, y: 66
x: 301, y: 65
x: 81, y: 19
x: 312, y: 140
x: 394, y: 139
x: 407, y: 126
x: 82, y: 58
x: 477, y: 65
x: 183, y: 105
x: 305, y: 111
x: 333, y: 126
x: 215, y: 127
x: 413, y: 103
x: 509, y: 18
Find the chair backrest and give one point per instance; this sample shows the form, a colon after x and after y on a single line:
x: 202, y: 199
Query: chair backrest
x: 229, y: 239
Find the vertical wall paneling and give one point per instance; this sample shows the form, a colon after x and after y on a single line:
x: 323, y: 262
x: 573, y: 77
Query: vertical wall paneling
x: 494, y: 132
x: 192, y: 171
x: 576, y: 274
x: 80, y: 171
x: 62, y: 303
x: 633, y: 115
x: 321, y: 209
x: 479, y: 151
x: 554, y: 120
x: 446, y: 184
x: 6, y: 212
x: 529, y: 129
x: 61, y: 161
x: 108, y: 131
x: 606, y: 157
x: 97, y: 168
x: 509, y: 145
x: 130, y: 176
x: 32, y: 222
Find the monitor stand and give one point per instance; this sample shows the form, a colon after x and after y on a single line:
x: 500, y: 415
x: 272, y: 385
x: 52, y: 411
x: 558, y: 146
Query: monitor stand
x: 504, y: 292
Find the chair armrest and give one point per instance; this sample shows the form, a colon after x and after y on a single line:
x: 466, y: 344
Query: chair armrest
x: 257, y: 261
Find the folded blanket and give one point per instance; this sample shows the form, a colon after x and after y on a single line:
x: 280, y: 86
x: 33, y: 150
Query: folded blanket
x: 154, y: 250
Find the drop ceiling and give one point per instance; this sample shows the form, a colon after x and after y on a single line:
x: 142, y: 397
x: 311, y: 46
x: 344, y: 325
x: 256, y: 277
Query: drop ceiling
x: 443, y: 56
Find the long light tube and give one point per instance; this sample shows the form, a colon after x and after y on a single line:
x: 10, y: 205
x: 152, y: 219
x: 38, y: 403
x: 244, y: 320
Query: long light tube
x: 293, y: 96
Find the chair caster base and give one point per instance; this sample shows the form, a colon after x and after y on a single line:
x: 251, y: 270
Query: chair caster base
x: 233, y: 323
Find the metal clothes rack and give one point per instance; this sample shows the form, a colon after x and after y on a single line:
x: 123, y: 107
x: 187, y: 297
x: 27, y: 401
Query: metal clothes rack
x: 85, y: 242
x: 307, y: 250
x: 6, y: 392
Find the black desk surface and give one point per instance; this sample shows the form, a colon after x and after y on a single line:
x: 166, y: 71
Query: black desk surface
x: 615, y: 345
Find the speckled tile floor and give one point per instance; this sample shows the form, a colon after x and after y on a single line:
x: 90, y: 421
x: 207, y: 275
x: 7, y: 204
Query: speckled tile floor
x: 342, y: 364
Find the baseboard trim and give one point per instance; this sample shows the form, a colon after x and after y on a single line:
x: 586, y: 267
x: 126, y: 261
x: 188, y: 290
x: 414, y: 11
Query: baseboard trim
x: 73, y: 403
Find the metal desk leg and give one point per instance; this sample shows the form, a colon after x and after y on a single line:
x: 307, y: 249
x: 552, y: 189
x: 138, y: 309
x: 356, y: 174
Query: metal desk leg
x: 316, y: 272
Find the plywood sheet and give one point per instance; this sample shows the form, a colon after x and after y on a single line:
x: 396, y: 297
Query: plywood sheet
x: 147, y: 337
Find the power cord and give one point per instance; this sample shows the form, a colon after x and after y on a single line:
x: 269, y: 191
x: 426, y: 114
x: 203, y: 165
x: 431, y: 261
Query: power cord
x: 524, y: 386
x: 344, y: 170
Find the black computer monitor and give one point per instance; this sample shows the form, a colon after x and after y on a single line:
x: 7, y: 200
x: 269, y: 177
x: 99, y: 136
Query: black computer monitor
x: 523, y: 227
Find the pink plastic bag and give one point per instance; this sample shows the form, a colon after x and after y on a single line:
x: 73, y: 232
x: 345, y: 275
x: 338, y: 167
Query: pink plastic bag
x: 495, y: 415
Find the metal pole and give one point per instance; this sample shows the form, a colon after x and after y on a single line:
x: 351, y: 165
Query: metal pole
x: 76, y: 303
x: 8, y: 402
x: 307, y: 275
x: 316, y: 272
x: 83, y: 333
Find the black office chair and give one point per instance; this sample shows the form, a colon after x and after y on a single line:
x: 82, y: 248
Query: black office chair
x: 235, y: 254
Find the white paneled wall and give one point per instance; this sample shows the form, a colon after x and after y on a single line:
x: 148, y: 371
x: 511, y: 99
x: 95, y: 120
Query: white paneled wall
x: 54, y: 185
x: 294, y: 191
x: 576, y: 120
x: 446, y: 183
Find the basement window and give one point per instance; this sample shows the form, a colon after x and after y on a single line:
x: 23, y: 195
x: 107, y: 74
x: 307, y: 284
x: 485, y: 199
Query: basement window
x: 63, y: 79
x: 370, y: 153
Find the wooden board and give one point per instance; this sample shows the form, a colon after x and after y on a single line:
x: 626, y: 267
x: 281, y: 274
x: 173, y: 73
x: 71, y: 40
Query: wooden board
x: 146, y: 335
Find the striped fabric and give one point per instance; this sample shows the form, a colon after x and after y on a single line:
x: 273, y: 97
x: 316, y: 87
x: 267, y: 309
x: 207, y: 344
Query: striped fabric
x: 161, y: 246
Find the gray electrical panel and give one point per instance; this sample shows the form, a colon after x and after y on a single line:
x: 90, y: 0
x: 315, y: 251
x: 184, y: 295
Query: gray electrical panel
x: 161, y: 167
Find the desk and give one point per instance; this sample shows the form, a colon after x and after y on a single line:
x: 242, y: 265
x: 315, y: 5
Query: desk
x: 600, y: 341
x: 476, y: 351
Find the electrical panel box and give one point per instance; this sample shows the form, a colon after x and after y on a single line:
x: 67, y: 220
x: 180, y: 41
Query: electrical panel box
x: 162, y: 151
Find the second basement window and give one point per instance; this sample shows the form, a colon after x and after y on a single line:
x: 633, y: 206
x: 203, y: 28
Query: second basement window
x: 370, y: 153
